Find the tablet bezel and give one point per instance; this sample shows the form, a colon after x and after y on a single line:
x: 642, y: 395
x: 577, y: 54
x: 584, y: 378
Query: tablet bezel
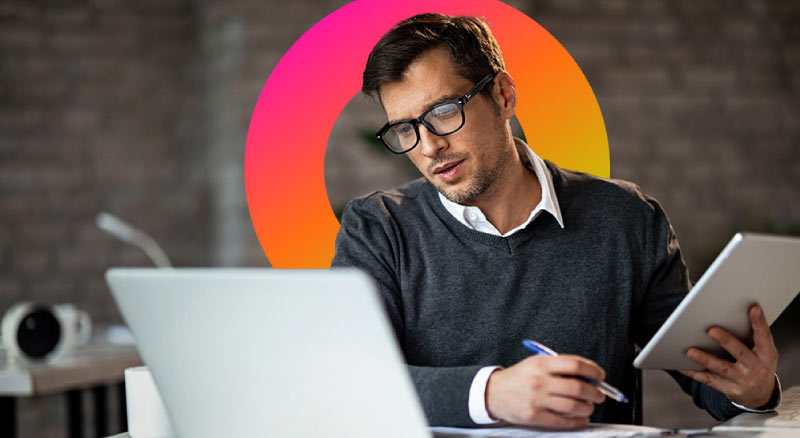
x: 735, y: 281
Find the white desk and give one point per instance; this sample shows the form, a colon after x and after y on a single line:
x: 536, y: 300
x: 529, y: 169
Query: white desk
x: 791, y: 399
x: 786, y: 434
x: 93, y: 366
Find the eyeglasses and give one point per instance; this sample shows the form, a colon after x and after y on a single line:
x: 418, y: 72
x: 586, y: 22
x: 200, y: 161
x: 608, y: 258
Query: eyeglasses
x: 441, y: 119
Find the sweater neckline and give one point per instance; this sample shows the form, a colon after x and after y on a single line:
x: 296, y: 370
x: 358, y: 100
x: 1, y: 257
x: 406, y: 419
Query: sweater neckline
x: 514, y: 240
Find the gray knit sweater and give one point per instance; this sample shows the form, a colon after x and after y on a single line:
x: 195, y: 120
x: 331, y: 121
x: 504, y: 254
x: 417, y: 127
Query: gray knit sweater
x: 460, y: 299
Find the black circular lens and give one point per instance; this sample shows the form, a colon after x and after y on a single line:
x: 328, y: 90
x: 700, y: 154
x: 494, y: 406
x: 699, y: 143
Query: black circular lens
x: 38, y: 333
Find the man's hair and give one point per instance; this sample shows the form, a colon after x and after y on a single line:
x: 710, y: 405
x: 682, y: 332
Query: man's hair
x: 468, y: 40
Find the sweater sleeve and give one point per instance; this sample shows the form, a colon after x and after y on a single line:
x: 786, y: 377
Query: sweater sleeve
x: 369, y: 240
x: 665, y: 284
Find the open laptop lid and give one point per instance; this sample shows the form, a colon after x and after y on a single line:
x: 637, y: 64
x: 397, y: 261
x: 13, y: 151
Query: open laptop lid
x: 251, y: 352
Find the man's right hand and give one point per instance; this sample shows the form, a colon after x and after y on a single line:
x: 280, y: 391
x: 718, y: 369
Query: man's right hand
x: 542, y: 391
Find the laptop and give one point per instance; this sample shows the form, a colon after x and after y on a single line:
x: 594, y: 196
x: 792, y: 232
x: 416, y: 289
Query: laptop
x: 263, y: 352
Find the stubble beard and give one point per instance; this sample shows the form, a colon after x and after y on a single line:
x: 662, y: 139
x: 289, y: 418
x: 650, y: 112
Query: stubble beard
x: 482, y: 180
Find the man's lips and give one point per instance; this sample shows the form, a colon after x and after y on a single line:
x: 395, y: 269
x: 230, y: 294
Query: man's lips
x: 446, y: 166
x: 449, y: 173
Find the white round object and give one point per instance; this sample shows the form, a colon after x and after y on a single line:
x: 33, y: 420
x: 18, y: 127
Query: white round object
x: 76, y: 322
x: 33, y: 332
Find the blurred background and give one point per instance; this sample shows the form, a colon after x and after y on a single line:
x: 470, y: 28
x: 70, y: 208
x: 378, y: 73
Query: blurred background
x: 141, y: 108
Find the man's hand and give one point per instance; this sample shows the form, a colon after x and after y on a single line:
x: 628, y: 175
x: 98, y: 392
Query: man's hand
x: 539, y: 391
x: 750, y: 380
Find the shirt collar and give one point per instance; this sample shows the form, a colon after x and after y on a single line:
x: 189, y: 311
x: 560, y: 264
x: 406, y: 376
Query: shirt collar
x: 549, y: 202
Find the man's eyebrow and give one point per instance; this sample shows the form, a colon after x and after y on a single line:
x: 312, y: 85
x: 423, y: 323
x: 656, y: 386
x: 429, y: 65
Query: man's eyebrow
x: 442, y: 99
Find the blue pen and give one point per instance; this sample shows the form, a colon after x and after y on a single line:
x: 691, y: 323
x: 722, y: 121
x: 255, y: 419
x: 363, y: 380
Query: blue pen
x: 605, y: 388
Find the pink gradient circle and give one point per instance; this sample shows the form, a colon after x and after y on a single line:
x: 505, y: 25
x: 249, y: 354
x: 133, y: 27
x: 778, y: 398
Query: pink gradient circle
x: 320, y: 74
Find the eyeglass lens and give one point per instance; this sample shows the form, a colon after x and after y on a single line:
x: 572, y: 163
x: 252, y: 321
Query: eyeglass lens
x: 441, y: 120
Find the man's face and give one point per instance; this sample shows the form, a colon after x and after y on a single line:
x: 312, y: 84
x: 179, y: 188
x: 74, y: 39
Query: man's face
x: 464, y: 165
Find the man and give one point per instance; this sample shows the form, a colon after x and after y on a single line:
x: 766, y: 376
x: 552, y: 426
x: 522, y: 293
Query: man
x: 495, y: 245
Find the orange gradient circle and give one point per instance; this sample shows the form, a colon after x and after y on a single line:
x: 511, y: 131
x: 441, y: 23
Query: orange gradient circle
x: 321, y: 73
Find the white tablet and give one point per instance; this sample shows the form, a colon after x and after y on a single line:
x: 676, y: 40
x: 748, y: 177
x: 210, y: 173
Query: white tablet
x: 753, y: 268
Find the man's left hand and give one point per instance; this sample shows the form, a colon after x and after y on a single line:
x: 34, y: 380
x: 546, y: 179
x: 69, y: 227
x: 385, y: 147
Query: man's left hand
x: 750, y: 380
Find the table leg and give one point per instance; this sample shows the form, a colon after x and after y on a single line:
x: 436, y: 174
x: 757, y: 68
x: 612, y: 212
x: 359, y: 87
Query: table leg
x: 122, y: 402
x: 74, y: 414
x: 99, y: 395
x: 8, y: 417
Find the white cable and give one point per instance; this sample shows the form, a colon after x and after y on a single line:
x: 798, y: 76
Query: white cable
x: 132, y: 235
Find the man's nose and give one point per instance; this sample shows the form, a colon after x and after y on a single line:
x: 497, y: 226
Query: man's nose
x: 429, y: 143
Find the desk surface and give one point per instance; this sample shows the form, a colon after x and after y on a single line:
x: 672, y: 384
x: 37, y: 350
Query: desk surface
x: 89, y: 365
x: 771, y: 434
x: 788, y: 411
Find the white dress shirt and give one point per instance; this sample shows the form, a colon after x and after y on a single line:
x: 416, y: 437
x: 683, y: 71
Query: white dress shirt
x: 473, y: 218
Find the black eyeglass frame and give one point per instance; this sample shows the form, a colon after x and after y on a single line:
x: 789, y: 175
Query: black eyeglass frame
x: 461, y: 101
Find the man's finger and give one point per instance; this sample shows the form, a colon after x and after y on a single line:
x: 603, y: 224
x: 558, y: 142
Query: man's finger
x: 716, y: 365
x: 576, y: 389
x: 732, y: 345
x: 762, y: 336
x: 569, y: 407
x: 722, y: 385
x: 576, y: 366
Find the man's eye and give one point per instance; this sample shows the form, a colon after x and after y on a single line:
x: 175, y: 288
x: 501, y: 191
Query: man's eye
x: 404, y: 130
x: 445, y: 111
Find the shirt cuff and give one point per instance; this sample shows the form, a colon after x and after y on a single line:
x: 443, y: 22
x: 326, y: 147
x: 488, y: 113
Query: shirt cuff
x: 477, y: 396
x: 771, y: 405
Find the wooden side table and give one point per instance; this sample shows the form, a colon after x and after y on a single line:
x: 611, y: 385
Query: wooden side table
x: 94, y: 367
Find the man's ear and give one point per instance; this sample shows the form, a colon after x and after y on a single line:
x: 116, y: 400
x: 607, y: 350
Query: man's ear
x: 504, y: 93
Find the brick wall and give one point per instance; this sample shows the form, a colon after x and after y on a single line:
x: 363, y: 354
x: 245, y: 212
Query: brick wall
x: 141, y: 108
x: 700, y: 104
x: 98, y: 112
